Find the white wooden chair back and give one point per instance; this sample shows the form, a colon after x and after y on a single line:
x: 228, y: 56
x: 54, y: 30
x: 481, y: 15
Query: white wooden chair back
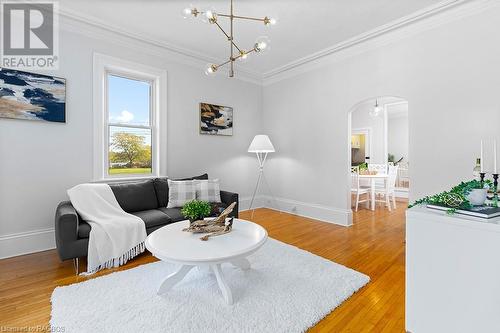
x: 380, y: 168
x: 403, y: 171
x: 355, y: 181
x: 393, y: 175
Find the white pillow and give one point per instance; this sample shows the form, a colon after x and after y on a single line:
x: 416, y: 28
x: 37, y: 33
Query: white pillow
x: 207, y: 190
x: 180, y: 192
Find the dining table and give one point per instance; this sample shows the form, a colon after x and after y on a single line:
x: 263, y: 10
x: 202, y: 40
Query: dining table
x: 373, y: 179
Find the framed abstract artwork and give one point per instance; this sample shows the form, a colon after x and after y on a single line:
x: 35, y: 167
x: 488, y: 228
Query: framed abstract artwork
x: 31, y: 96
x: 216, y: 119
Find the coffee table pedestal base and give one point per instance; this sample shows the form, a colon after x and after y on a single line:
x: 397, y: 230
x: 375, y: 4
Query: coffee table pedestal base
x: 178, y: 275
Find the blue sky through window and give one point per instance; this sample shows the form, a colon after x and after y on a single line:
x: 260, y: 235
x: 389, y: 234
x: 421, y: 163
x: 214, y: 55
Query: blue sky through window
x: 128, y: 101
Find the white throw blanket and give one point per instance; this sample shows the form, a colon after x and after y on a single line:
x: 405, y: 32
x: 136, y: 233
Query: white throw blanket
x: 115, y: 236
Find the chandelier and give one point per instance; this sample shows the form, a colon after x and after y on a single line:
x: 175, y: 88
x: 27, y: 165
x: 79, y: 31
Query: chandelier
x: 210, y: 16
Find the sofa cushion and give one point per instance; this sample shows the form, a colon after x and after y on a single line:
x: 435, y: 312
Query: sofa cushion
x: 161, y: 188
x: 153, y: 217
x: 135, y: 196
x: 180, y: 193
x: 207, y: 190
x: 173, y: 213
x: 83, y: 230
x: 200, y: 177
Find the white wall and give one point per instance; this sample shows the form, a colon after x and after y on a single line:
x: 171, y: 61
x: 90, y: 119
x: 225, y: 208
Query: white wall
x: 39, y: 161
x: 397, y: 138
x: 450, y: 75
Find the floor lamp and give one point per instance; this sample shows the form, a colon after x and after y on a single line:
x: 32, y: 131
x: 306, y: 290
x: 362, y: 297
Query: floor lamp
x: 261, y: 146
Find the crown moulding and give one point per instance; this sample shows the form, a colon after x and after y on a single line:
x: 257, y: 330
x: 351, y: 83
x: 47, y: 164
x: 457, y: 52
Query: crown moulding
x: 428, y: 18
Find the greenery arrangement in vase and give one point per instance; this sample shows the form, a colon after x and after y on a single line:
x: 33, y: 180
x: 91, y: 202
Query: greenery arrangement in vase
x: 196, y: 210
x: 463, y: 196
x: 363, y: 166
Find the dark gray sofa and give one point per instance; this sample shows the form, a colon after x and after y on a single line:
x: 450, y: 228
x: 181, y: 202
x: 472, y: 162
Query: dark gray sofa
x: 146, y: 199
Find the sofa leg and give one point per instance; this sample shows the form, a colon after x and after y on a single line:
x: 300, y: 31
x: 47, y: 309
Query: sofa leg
x: 76, y: 264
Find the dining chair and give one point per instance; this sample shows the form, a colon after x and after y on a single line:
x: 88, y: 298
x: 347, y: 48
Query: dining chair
x: 359, y: 190
x: 380, y: 168
x: 388, y: 191
x: 403, y: 176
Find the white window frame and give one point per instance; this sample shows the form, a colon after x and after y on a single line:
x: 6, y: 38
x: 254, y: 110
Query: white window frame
x: 106, y: 65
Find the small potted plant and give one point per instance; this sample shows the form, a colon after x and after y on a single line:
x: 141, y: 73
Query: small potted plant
x: 476, y: 192
x: 196, y: 210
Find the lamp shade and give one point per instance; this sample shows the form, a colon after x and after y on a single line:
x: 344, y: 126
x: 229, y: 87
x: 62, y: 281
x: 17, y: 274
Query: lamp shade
x: 261, y: 144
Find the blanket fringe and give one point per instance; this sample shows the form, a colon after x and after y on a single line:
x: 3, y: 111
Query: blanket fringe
x: 121, y: 260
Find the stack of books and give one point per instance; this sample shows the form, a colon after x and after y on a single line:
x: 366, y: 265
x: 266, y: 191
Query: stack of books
x: 485, y: 212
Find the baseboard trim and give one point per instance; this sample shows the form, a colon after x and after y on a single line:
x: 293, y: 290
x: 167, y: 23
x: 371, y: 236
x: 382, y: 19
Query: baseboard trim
x: 323, y: 213
x: 14, y: 245
x: 244, y: 203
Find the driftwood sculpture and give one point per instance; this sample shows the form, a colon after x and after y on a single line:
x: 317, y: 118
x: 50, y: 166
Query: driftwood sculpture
x: 214, y: 227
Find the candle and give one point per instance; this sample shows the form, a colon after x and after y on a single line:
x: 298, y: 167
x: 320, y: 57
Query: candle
x: 495, y: 171
x: 482, y: 157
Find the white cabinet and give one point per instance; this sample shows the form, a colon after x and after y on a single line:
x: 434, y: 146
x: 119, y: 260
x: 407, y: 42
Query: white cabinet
x: 452, y: 273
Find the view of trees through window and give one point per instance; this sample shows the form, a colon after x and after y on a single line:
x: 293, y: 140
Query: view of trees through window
x: 129, y: 124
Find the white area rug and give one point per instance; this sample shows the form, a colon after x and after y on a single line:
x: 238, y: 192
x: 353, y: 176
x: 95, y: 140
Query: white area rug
x: 287, y: 290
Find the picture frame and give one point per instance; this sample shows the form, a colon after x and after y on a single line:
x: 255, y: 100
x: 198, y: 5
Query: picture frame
x: 32, y: 96
x: 216, y: 119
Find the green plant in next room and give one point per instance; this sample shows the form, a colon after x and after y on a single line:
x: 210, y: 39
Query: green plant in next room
x: 196, y: 210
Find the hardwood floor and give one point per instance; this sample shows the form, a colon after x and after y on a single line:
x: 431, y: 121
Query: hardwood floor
x: 374, y: 245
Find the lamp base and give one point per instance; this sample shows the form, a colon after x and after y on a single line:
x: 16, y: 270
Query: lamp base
x: 262, y: 159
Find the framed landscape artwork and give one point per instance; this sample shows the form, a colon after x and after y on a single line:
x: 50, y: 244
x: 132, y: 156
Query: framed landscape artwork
x: 216, y: 119
x: 32, y: 96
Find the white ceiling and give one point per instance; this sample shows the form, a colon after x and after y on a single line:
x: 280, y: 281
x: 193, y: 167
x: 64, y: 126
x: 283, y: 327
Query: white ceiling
x: 304, y: 27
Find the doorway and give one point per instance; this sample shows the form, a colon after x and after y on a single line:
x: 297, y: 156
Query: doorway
x: 379, y: 144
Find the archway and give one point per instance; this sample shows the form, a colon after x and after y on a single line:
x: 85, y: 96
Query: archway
x: 378, y: 142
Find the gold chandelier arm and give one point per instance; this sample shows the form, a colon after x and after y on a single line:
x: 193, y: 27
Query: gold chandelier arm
x: 224, y: 63
x: 241, y: 54
x: 228, y: 37
x: 243, y: 17
x: 235, y: 58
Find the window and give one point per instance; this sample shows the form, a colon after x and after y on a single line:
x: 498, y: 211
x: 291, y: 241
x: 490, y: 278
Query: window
x: 130, y: 126
x: 127, y: 109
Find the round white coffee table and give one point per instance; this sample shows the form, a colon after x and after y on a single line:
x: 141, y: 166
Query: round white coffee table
x: 171, y: 244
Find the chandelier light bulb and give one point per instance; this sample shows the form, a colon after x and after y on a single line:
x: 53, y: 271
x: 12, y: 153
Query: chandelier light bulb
x: 243, y: 56
x: 262, y: 44
x: 270, y: 21
x: 376, y: 110
x: 189, y: 12
x: 209, y: 16
x: 211, y: 69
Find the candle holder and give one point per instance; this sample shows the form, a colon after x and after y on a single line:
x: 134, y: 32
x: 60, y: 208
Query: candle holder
x: 495, y: 188
x: 482, y: 175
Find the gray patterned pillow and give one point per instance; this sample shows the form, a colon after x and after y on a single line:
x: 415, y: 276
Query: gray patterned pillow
x: 207, y: 190
x: 180, y: 192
